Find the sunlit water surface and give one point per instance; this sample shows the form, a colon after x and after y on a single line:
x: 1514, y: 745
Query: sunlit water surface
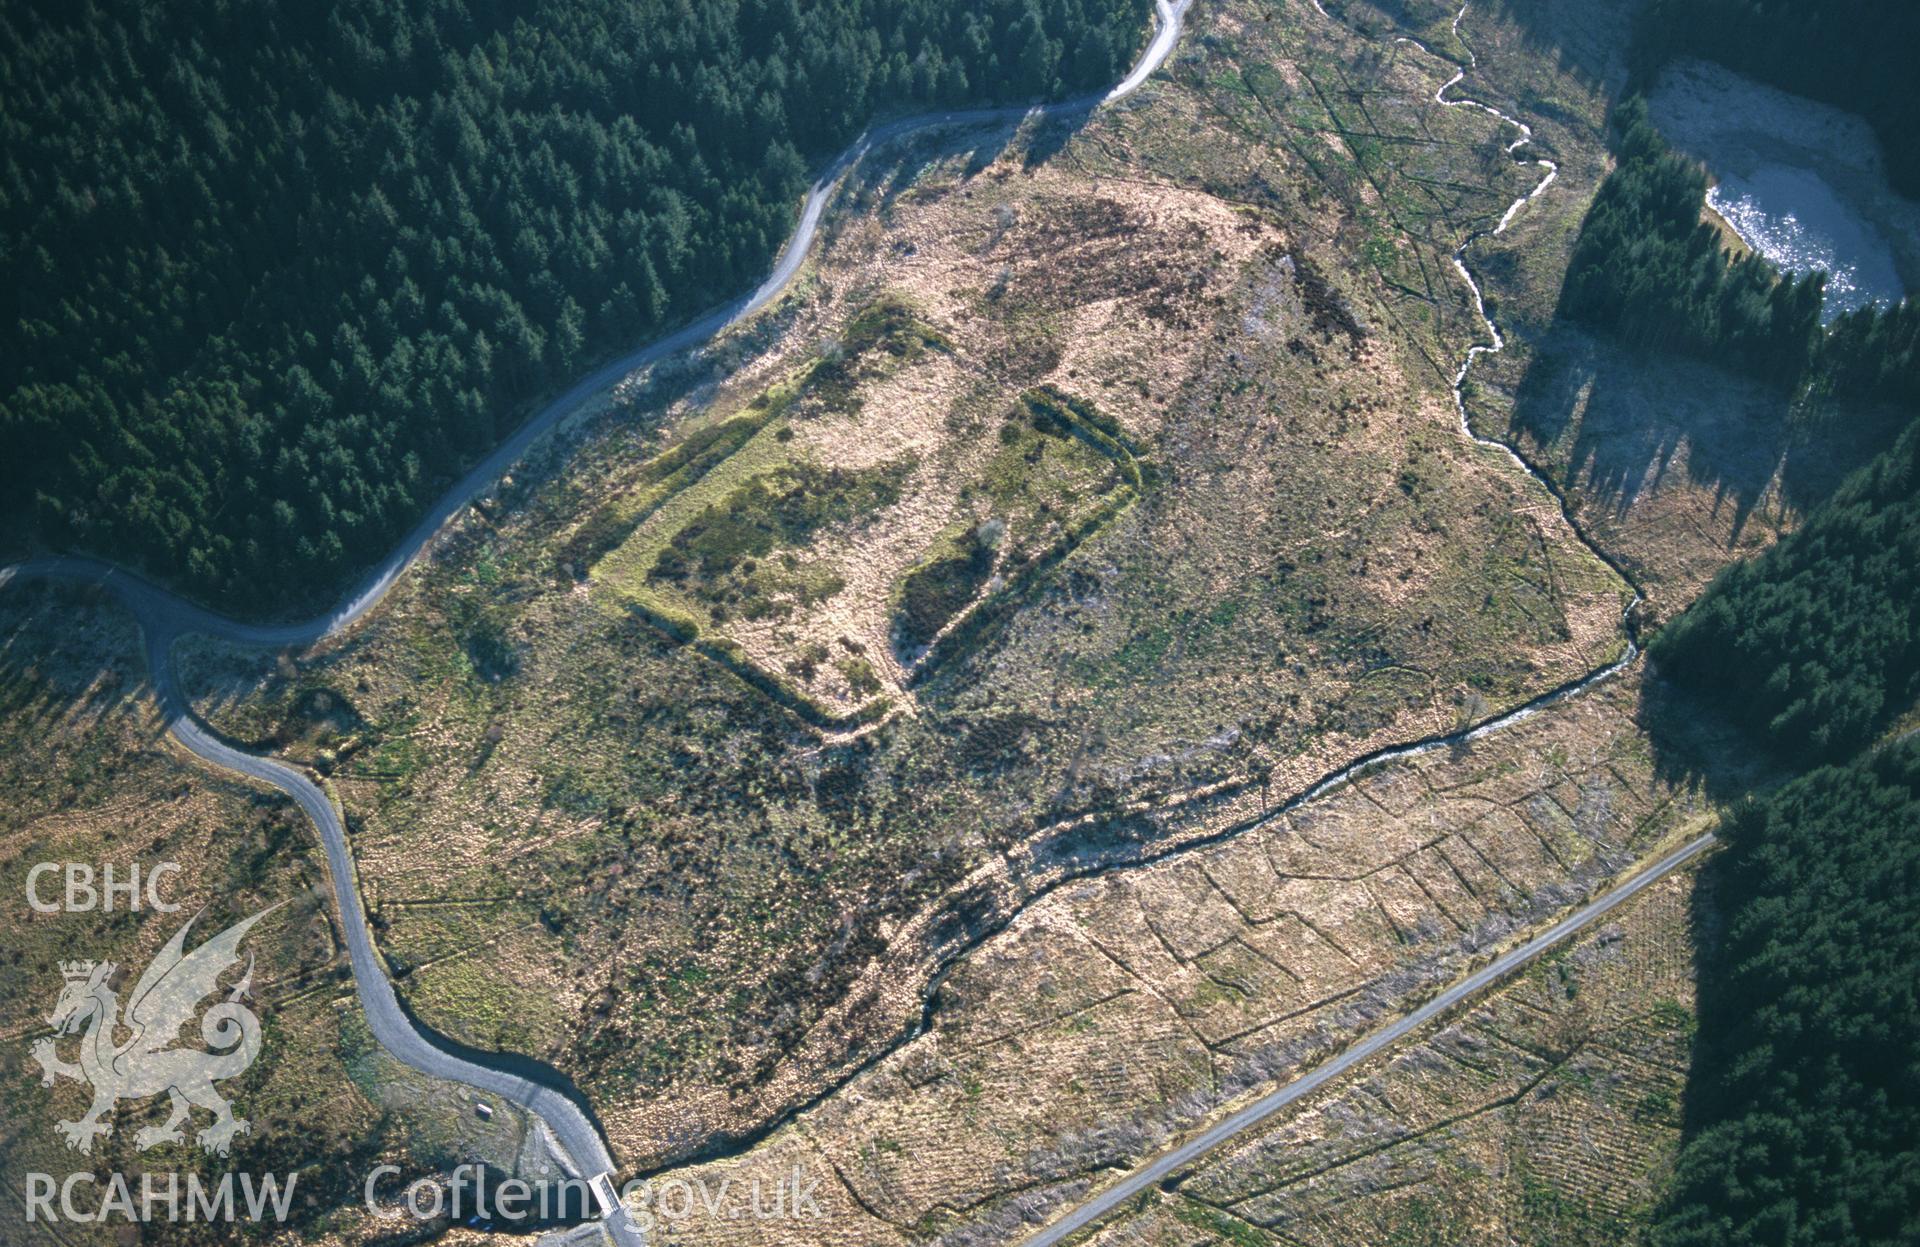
x: 1798, y: 181
x: 1791, y: 216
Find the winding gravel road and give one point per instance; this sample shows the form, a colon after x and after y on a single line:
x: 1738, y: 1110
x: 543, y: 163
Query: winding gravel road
x: 164, y: 617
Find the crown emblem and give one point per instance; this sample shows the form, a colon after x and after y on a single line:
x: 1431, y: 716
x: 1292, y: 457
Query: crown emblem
x: 167, y: 997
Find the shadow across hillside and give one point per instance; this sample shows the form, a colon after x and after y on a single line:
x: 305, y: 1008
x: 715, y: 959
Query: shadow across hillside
x: 1616, y: 425
x: 1698, y: 748
x: 54, y: 670
x: 1587, y: 41
x: 883, y: 177
x: 1619, y: 422
x: 1615, y: 422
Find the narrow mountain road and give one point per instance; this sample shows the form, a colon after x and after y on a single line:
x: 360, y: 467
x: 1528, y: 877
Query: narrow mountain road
x: 164, y: 617
x: 1159, y: 1170
x: 1233, y: 1126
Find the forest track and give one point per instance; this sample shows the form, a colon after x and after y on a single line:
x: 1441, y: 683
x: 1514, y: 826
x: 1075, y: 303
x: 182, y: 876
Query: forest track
x: 1168, y: 1165
x: 164, y: 617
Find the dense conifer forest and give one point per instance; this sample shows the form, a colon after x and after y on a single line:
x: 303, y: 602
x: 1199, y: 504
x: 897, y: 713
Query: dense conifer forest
x: 279, y: 269
x: 1648, y: 269
x: 1803, y: 1116
x: 1815, y: 645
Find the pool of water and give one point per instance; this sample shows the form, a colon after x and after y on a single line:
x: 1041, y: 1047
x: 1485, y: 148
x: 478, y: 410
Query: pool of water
x: 1798, y: 181
x: 1791, y: 216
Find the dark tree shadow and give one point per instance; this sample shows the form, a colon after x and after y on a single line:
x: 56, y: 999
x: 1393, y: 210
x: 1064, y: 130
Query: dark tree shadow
x: 1587, y: 42
x: 1051, y: 136
x: 50, y: 668
x: 879, y: 180
x: 1634, y: 418
x: 1632, y: 413
x: 898, y: 175
x: 986, y: 148
x: 1618, y: 422
x: 1697, y: 747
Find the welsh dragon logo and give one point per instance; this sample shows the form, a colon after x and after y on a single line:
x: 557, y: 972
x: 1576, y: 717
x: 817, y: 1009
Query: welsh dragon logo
x: 163, y: 1001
